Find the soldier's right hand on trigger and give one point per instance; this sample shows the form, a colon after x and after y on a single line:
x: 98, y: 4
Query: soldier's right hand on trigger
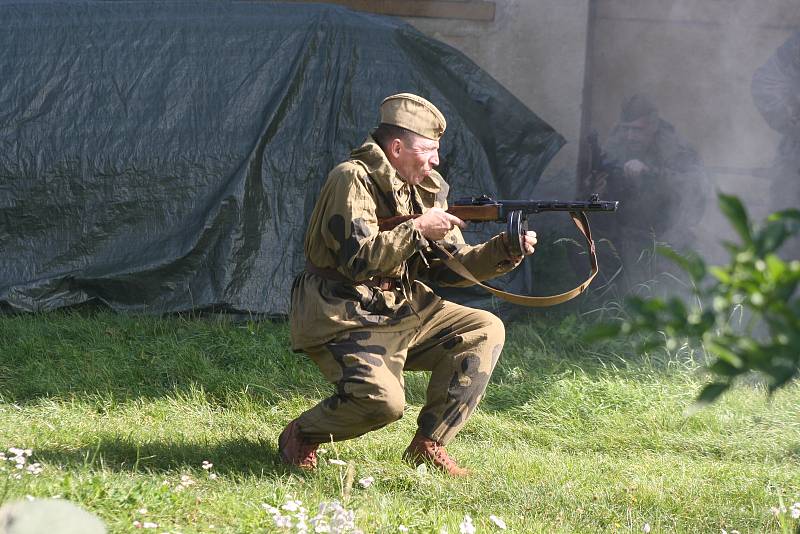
x: 435, y: 223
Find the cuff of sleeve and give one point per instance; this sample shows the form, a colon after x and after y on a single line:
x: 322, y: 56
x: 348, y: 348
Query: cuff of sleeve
x: 507, y: 261
x: 504, y: 248
x: 504, y: 245
x: 420, y: 241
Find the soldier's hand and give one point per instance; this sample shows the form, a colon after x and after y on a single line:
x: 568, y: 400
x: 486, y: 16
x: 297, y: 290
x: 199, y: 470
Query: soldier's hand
x: 528, y: 242
x: 435, y: 223
x: 635, y: 168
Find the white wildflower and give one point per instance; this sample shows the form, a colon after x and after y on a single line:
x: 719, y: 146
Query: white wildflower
x: 142, y: 511
x: 212, y: 476
x: 331, y: 518
x: 137, y: 524
x: 270, y: 509
x: 336, y: 461
x: 292, y: 506
x: 34, y: 468
x: 147, y: 524
x: 402, y: 528
x: 207, y: 465
x: 646, y: 528
x: 466, y: 526
x: 282, y: 521
x: 795, y: 512
x: 498, y: 522
x: 341, y: 520
x: 366, y: 482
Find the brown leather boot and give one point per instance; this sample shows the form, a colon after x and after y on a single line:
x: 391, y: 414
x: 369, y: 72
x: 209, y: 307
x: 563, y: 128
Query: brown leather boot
x: 295, y: 449
x: 425, y: 450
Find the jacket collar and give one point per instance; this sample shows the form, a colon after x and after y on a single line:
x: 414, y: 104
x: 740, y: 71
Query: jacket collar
x: 382, y: 172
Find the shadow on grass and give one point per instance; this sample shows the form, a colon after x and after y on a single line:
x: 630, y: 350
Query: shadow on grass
x: 107, y: 358
x: 236, y: 457
x: 115, y: 357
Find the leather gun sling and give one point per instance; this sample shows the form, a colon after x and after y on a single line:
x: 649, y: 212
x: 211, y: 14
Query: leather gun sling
x: 580, y: 220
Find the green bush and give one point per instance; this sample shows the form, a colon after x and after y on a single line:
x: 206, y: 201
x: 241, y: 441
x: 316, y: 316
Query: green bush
x: 745, y: 315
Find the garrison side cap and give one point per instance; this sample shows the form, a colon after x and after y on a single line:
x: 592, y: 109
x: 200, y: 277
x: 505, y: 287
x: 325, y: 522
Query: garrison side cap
x: 413, y: 113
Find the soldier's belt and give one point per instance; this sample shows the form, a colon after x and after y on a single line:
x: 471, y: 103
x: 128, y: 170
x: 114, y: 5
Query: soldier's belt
x: 385, y: 284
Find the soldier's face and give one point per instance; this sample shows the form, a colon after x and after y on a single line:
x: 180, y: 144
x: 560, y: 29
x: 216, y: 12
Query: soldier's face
x: 639, y: 133
x: 414, y: 161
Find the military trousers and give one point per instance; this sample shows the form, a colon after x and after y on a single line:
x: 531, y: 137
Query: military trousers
x: 460, y: 347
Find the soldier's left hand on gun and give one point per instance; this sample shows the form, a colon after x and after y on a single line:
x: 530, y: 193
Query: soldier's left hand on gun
x: 635, y: 168
x: 528, y: 242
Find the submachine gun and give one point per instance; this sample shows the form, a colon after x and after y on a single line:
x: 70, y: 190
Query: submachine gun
x: 514, y: 213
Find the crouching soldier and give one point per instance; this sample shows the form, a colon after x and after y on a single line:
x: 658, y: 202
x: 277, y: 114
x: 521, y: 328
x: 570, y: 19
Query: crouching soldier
x: 361, y: 311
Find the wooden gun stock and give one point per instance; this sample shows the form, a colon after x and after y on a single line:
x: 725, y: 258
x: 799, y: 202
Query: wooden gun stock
x: 489, y: 213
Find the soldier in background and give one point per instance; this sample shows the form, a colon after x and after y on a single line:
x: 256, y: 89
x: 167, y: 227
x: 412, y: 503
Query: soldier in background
x: 361, y: 310
x: 659, y: 181
x: 776, y: 94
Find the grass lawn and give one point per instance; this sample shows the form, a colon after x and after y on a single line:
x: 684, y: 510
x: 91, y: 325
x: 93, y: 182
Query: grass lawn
x: 122, y: 411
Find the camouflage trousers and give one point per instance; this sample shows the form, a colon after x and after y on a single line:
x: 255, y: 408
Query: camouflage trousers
x: 460, y: 346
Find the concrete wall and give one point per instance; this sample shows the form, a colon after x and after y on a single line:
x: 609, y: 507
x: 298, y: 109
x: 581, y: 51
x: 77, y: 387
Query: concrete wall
x: 537, y: 50
x: 696, y: 60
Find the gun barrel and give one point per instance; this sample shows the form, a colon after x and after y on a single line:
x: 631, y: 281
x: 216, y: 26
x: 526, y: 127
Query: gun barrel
x: 504, y: 207
x: 538, y: 206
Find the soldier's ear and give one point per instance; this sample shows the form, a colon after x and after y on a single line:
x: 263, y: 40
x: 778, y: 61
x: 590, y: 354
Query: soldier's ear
x: 395, y: 147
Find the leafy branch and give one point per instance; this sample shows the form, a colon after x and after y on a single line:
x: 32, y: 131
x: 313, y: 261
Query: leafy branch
x: 756, y: 285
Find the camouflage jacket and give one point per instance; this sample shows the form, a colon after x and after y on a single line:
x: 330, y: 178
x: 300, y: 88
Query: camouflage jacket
x: 343, y: 235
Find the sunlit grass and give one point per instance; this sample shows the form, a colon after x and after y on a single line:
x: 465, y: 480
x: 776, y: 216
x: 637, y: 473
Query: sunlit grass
x: 124, y: 415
